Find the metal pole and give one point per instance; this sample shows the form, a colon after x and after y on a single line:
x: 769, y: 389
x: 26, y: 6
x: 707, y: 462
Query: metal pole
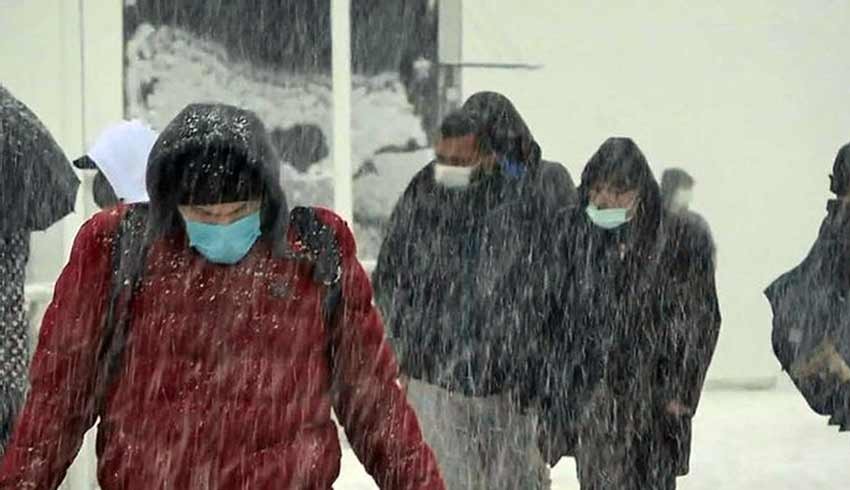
x: 341, y: 39
x: 450, y: 55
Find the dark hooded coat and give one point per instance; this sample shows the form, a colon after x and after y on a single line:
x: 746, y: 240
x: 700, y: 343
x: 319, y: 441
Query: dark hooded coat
x: 443, y: 247
x: 229, y: 373
x: 14, y: 330
x: 629, y: 320
x: 810, y: 307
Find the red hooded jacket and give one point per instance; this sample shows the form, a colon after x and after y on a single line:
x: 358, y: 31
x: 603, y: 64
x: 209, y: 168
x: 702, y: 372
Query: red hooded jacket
x: 227, y: 381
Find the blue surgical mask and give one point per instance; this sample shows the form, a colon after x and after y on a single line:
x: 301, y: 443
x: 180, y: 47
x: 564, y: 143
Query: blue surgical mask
x: 608, y: 219
x: 224, y: 244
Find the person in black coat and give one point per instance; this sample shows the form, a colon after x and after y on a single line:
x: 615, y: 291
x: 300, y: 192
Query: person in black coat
x: 677, y: 192
x: 14, y: 330
x: 433, y: 272
x: 811, y: 337
x: 504, y: 130
x: 629, y: 319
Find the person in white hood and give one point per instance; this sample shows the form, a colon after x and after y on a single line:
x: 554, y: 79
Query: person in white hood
x: 120, y: 155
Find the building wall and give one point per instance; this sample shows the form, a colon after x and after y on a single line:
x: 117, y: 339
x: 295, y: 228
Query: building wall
x: 63, y: 58
x: 40, y: 64
x: 750, y: 97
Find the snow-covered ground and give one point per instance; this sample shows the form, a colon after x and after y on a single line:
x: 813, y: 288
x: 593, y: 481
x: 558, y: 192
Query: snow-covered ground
x: 168, y: 68
x: 743, y: 440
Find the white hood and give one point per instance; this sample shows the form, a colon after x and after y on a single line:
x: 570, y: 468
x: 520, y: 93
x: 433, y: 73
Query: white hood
x: 121, y: 153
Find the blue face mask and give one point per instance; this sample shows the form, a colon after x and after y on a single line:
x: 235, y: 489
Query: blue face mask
x: 608, y: 219
x: 224, y: 244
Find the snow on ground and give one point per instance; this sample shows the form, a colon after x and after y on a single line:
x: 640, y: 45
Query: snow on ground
x: 743, y: 440
x: 168, y: 68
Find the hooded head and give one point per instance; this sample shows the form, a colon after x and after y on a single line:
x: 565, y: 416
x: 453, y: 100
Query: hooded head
x: 216, y: 154
x: 503, y: 129
x: 676, y: 188
x: 619, y: 168
x: 460, y: 156
x: 840, y: 178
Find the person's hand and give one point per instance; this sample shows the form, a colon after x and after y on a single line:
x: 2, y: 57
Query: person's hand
x: 838, y: 367
x: 675, y: 408
x: 402, y: 381
x: 823, y: 358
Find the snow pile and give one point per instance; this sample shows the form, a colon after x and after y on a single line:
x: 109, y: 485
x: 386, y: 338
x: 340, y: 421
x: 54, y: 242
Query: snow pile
x: 168, y: 68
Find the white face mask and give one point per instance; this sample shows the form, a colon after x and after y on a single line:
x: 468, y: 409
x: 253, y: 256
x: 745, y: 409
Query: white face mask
x: 683, y: 199
x: 453, y: 177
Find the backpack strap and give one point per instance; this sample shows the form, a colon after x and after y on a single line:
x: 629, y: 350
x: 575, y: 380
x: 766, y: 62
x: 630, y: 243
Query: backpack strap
x: 320, y: 247
x: 318, y: 242
x: 129, y: 250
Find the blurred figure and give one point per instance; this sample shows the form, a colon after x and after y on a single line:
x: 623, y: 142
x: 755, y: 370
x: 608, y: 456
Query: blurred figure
x: 37, y: 189
x: 677, y: 192
x: 301, y: 145
x: 810, y: 334
x: 462, y: 218
x: 120, y: 156
x: 630, y: 324
x: 214, y: 353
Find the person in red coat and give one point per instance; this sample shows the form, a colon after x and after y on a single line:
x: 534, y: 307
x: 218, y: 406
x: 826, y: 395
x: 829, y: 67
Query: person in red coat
x: 239, y: 338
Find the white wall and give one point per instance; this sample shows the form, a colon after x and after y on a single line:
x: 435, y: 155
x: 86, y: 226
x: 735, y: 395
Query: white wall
x: 750, y: 97
x: 63, y: 58
x: 40, y: 64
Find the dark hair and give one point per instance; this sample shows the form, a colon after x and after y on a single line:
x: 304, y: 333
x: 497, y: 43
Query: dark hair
x: 217, y: 175
x: 458, y: 124
x: 839, y: 181
x: 503, y: 129
x: 672, y: 180
x: 620, y: 163
x: 104, y: 195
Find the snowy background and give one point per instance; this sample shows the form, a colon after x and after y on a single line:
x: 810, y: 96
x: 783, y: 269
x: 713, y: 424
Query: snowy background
x: 168, y: 68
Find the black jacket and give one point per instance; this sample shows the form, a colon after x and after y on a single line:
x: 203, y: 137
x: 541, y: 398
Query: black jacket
x: 810, y: 304
x: 436, y: 267
x: 633, y: 310
x: 14, y: 330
